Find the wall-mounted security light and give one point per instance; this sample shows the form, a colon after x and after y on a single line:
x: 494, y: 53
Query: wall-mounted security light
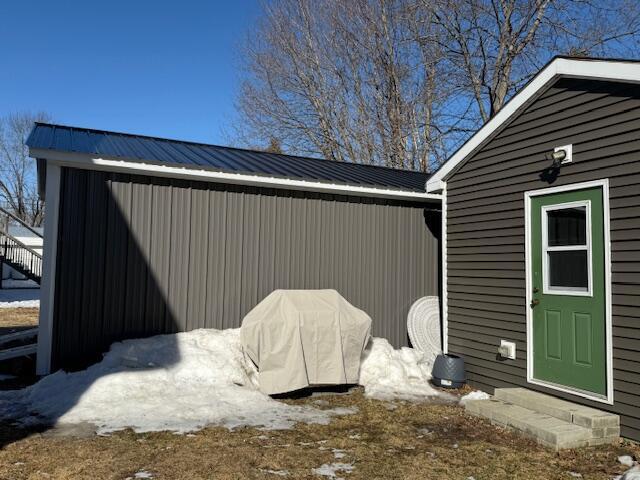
x: 562, y: 155
x: 559, y: 155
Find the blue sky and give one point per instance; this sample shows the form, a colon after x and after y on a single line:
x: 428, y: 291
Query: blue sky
x: 165, y: 68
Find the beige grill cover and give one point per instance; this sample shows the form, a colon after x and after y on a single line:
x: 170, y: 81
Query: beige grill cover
x: 299, y: 338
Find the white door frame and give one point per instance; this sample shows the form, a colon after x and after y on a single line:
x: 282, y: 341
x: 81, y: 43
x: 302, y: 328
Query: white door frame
x: 604, y: 185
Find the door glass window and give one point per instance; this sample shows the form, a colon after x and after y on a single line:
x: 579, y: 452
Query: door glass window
x: 568, y: 269
x: 567, y: 226
x: 566, y: 249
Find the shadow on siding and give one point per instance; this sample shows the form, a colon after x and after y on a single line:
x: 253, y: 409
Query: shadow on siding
x: 98, y: 301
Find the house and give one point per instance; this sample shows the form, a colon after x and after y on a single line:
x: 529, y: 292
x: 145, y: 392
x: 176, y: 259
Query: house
x: 146, y: 236
x: 541, y: 239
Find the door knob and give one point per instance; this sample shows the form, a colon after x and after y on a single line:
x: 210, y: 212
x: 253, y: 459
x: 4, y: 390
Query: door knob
x: 534, y: 302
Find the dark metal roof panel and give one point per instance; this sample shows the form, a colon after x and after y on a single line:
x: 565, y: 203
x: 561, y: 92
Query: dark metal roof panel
x: 226, y: 159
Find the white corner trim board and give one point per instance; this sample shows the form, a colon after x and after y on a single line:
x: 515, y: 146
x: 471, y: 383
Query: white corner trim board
x: 48, y: 286
x: 604, y: 185
x: 580, y: 68
x: 445, y: 295
x: 67, y: 159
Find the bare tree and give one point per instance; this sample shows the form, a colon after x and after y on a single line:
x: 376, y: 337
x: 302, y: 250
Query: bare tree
x: 18, y: 178
x: 349, y: 80
x: 495, y: 46
x: 402, y: 83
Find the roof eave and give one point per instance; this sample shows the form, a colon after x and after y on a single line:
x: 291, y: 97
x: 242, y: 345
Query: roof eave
x: 73, y: 159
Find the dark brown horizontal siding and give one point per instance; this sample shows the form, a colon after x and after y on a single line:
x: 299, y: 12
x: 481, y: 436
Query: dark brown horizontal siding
x: 140, y: 256
x: 617, y: 155
x: 485, y: 235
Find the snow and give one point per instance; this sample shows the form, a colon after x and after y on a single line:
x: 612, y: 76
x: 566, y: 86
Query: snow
x: 19, y: 297
x: 185, y: 381
x: 475, y: 395
x: 338, y: 453
x: 388, y: 374
x: 627, y: 460
x: 331, y: 469
x: 633, y: 473
x: 178, y: 382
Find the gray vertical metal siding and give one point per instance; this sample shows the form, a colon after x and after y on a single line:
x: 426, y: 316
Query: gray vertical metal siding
x: 140, y: 255
x: 485, y: 242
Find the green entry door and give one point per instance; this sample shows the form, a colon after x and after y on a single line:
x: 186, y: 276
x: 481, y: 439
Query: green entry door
x: 568, y: 297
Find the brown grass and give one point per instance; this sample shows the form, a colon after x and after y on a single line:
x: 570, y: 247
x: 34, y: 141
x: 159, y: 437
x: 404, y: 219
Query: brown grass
x: 11, y: 318
x: 382, y: 441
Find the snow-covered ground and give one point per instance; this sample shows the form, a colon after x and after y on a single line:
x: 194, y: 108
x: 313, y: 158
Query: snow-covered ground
x: 12, y: 296
x: 185, y: 381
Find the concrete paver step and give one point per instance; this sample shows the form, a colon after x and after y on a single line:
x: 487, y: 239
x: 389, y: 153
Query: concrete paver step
x: 548, y: 430
x: 570, y: 412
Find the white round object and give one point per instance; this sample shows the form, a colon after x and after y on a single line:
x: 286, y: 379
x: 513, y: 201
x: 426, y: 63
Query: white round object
x: 423, y: 324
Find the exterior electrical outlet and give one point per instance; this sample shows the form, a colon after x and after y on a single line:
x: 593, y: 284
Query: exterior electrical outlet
x: 507, y: 349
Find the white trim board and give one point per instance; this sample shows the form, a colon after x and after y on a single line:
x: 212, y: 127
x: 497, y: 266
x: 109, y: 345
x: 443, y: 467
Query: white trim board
x: 560, y: 67
x: 604, y: 185
x: 445, y: 288
x: 76, y: 160
x: 48, y: 285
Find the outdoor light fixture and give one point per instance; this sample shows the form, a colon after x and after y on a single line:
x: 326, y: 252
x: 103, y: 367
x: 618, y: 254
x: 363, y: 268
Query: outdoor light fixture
x: 559, y: 155
x: 562, y: 155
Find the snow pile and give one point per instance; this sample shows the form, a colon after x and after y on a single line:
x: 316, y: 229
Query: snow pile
x: 185, y: 381
x: 388, y: 374
x: 178, y: 382
x: 19, y: 297
x: 475, y: 395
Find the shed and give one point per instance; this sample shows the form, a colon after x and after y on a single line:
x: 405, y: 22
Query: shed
x: 541, y: 236
x: 148, y: 235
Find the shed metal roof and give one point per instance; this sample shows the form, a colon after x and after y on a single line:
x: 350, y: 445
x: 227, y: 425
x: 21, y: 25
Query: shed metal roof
x: 100, y: 143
